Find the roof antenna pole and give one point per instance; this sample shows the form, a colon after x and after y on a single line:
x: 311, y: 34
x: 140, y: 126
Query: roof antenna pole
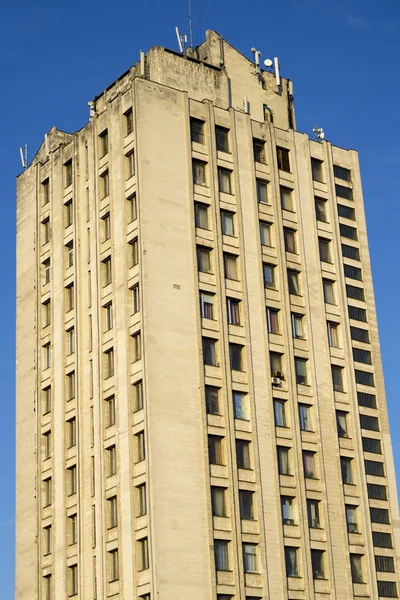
x: 190, y: 25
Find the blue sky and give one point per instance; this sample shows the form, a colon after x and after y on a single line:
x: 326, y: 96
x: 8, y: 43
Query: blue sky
x: 342, y: 56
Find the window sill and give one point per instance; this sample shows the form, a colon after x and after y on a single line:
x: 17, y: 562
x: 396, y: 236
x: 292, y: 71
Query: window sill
x: 320, y: 578
x: 294, y: 576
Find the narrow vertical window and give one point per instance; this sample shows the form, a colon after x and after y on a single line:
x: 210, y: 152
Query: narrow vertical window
x: 128, y: 117
x: 103, y: 143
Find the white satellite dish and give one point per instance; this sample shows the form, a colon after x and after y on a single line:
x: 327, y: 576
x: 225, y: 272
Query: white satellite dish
x: 268, y: 62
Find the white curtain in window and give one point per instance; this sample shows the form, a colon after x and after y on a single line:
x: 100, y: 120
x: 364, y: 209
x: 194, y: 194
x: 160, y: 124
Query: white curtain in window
x: 250, y: 558
x: 221, y: 555
x: 308, y: 461
x: 230, y: 267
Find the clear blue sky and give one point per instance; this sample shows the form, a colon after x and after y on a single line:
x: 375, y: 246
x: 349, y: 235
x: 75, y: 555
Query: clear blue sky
x: 342, y: 56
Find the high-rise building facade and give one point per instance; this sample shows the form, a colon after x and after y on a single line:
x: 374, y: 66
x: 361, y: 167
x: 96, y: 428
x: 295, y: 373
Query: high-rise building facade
x: 200, y: 401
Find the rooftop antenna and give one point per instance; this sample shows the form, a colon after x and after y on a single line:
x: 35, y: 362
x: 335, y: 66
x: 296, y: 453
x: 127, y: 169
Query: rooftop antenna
x: 257, y: 55
x: 23, y: 152
x: 319, y: 134
x: 190, y: 24
x: 182, y: 39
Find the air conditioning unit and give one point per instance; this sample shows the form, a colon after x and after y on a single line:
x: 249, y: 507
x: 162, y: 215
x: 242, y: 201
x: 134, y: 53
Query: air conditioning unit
x: 278, y: 374
x: 276, y: 381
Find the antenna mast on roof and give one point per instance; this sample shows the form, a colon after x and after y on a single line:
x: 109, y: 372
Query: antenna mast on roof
x: 190, y: 25
x: 24, y: 156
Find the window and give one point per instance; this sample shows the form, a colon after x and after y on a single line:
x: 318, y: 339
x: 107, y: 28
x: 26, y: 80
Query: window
x: 111, y: 455
x: 358, y: 314
x: 364, y: 378
x: 305, y: 417
x: 215, y: 450
x: 107, y: 271
x: 143, y: 554
x: 333, y: 334
x: 106, y: 227
x: 128, y: 117
x: 337, y: 378
x: 351, y: 252
x: 230, y: 266
x: 71, y: 480
x: 348, y: 232
x: 317, y: 170
x: 359, y: 335
x: 197, y: 130
x: 70, y: 254
x: 46, y: 313
x: 201, y: 215
x: 269, y: 275
x: 320, y: 210
x: 280, y: 413
x: 313, y: 513
x: 72, y: 526
x: 346, y: 211
x: 287, y: 510
x: 70, y: 385
x: 363, y: 356
x: 355, y: 292
x: 341, y: 423
x: 276, y: 364
x: 368, y: 400
x: 103, y: 143
x: 290, y: 240
x: 209, y: 352
x: 110, y: 411
x: 286, y: 199
x: 72, y: 580
x: 134, y: 252
x: 293, y: 282
x: 108, y: 316
x: 113, y: 565
x: 233, y: 311
x: 227, y: 223
x: 132, y: 208
x: 246, y: 505
x: 273, y: 320
x: 297, y: 326
x: 68, y: 173
x: 69, y: 297
x: 300, y: 365
x: 136, y: 346
x: 371, y: 445
x: 130, y: 164
x: 47, y: 492
x: 46, y: 271
x: 71, y: 432
x: 342, y: 173
x: 221, y: 552
x: 70, y: 341
x: 206, y: 305
x: 212, y: 400
x: 283, y: 159
x: 218, y: 501
x: 329, y: 292
x: 140, y: 447
x: 317, y: 562
x: 250, y: 558
x: 309, y: 465
x: 291, y: 561
x: 375, y: 468
x: 224, y: 180
x: 283, y: 460
x: 352, y: 272
x: 141, y: 500
x: 46, y: 392
x: 46, y: 191
x: 367, y: 422
x: 105, y: 184
x: 204, y: 259
x: 265, y: 234
x: 240, y: 406
x: 109, y: 362
x: 324, y: 250
x: 262, y: 193
x: 47, y: 540
x: 46, y: 230
x: 382, y: 540
x: 137, y: 396
x: 259, y: 151
x: 351, y: 518
x: 135, y: 299
x: 47, y: 356
x: 243, y: 454
x: 347, y: 471
x: 387, y: 589
x: 47, y: 444
x: 384, y: 564
x: 222, y: 139
x: 344, y: 192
